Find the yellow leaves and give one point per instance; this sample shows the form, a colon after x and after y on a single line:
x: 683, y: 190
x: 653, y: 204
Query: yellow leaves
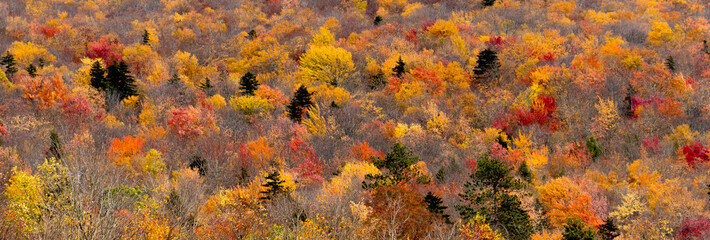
x: 477, y: 229
x: 490, y: 135
x: 325, y: 64
x: 315, y: 124
x: 640, y: 175
x: 606, y: 119
x: 612, y: 47
x: 682, y: 135
x: 28, y: 53
x: 452, y: 73
x: 251, y: 105
x: 660, y: 33
x: 153, y: 163
x: 4, y: 80
x: 411, y: 8
x: 188, y: 66
x: 184, y: 35
x: 311, y: 230
x: 131, y: 102
x: 323, y: 38
x: 563, y: 6
x: 328, y: 95
x: 443, y: 29
x: 438, y: 123
x: 24, y: 196
x: 260, y: 152
x: 393, y: 6
x: 411, y: 94
x: 565, y: 199
x: 261, y: 55
x: 351, y: 175
x: 217, y: 101
x: 632, y: 61
x: 630, y: 206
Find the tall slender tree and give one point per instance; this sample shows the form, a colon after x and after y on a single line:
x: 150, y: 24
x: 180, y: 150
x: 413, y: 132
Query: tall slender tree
x: 248, y: 84
x: 299, y: 103
x: 9, y: 61
x: 120, y: 81
x: 399, y: 69
x: 98, y: 76
x: 146, y: 37
x: 487, y: 65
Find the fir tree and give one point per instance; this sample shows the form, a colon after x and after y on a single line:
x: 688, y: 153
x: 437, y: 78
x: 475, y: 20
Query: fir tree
x: 9, y: 61
x: 120, y: 81
x: 397, y: 163
x: 248, y: 84
x: 300, y: 102
x: 399, y: 69
x: 55, y: 147
x: 98, y: 78
x: 487, y: 65
x: 175, y: 79
x: 488, y: 3
x: 41, y: 62
x: 274, y: 186
x: 146, y: 37
x: 575, y: 229
x: 670, y: 64
x: 593, y: 147
x: 206, y: 86
x: 435, y: 206
x: 251, y: 35
x: 525, y: 173
x: 608, y: 230
x: 628, y: 107
x: 378, y: 20
x: 32, y: 70
x: 489, y: 193
x: 199, y: 164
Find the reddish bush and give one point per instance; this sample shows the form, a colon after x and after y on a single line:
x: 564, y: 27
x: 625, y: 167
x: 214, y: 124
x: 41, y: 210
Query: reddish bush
x: 541, y: 113
x: 76, y: 108
x: 695, y: 152
x: 108, y: 50
x: 694, y: 228
x: 48, y: 31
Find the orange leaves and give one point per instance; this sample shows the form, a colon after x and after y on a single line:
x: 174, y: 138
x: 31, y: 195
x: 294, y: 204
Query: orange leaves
x: 43, y: 93
x: 565, y: 199
x: 122, y: 151
x: 363, y: 152
x: 258, y: 152
x: 192, y: 121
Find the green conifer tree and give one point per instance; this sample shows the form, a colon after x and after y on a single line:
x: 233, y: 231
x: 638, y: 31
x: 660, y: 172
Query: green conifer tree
x: 670, y: 64
x: 397, y: 163
x: 488, y: 3
x: 435, y: 206
x: 399, y: 69
x: 206, y: 86
x: 55, y: 147
x: 10, y: 65
x: 98, y: 77
x: 487, y: 65
x: 32, y: 70
x: 299, y: 103
x: 575, y: 229
x: 146, y: 37
x: 248, y: 84
x: 274, y: 186
x: 120, y: 81
x: 608, y: 230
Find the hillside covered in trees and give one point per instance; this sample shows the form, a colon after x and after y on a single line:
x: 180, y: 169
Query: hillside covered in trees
x: 354, y: 119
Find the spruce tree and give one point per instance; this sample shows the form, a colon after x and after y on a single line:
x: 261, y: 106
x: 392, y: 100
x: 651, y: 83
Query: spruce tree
x: 98, y: 78
x: 9, y: 61
x: 146, y: 37
x: 488, y: 3
x: 273, y: 186
x: 55, y: 147
x: 251, y: 35
x: 608, y: 230
x: 435, y: 206
x: 174, y: 79
x: 399, y: 69
x: 489, y: 193
x: 627, y: 108
x: 300, y: 102
x: 397, y: 163
x: 575, y: 229
x: 248, y: 84
x: 670, y: 64
x: 32, y: 70
x: 378, y: 20
x: 206, y: 86
x: 199, y: 164
x: 487, y: 65
x: 120, y: 81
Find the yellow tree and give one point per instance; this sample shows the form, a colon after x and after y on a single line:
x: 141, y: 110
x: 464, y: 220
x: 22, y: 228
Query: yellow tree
x: 28, y: 53
x: 326, y: 64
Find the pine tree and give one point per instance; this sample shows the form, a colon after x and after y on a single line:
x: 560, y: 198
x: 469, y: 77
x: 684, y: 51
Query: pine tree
x: 628, y: 107
x: 273, y: 186
x: 397, y: 163
x: 399, y: 69
x: 206, y: 86
x: 55, y: 148
x: 32, y: 70
x: 487, y: 65
x: 146, y: 37
x: 488, y: 3
x: 98, y: 78
x: 489, y: 193
x: 248, y: 84
x: 525, y: 173
x: 575, y: 229
x: 251, y: 35
x: 378, y: 20
x: 175, y: 79
x: 670, y: 64
x: 120, y: 81
x: 435, y: 205
x: 199, y: 163
x: 608, y: 230
x: 593, y: 147
x: 9, y: 61
x: 300, y: 102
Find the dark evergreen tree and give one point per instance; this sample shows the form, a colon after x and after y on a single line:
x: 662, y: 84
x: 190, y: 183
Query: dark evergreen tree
x: 9, y: 61
x: 378, y: 20
x: 175, y: 79
x: 146, y: 37
x: 120, y: 81
x: 397, y: 163
x: 627, y: 108
x: 199, y: 164
x: 435, y: 206
x: 489, y: 193
x: 488, y: 3
x: 487, y: 65
x: 608, y: 230
x: 575, y: 229
x: 525, y: 173
x: 274, y: 186
x: 670, y: 64
x: 206, y: 86
x: 593, y: 147
x: 41, y: 62
x: 399, y: 69
x: 248, y: 84
x: 32, y: 70
x: 98, y: 77
x: 55, y: 146
x: 299, y: 103
x: 252, y: 35
x: 174, y: 204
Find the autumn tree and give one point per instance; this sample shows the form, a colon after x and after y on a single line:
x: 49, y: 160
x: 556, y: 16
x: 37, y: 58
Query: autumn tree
x: 299, y: 104
x: 55, y: 147
x: 326, y: 64
x: 248, y: 84
x: 487, y: 65
x: 489, y: 193
x: 399, y: 213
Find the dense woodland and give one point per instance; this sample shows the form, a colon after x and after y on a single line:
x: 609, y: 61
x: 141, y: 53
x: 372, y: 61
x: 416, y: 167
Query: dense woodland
x: 354, y: 119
